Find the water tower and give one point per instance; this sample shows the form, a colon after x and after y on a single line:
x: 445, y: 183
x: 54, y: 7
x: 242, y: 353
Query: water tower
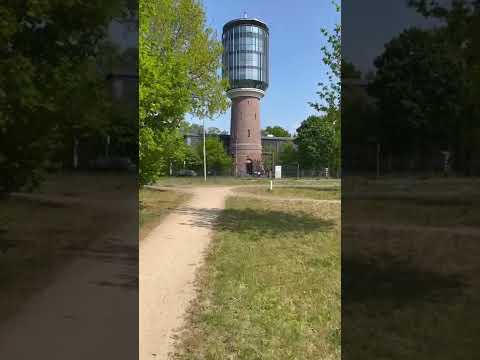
x: 245, y: 65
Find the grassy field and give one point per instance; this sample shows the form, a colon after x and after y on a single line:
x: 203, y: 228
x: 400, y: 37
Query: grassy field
x: 410, y: 264
x: 234, y: 181
x: 154, y: 205
x: 38, y: 236
x: 270, y: 288
x: 317, y: 192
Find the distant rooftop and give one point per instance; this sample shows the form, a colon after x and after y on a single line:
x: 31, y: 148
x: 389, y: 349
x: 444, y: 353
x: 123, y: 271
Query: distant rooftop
x: 285, y: 138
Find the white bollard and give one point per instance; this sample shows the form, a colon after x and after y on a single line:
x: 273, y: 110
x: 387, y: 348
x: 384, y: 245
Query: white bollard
x: 271, y: 185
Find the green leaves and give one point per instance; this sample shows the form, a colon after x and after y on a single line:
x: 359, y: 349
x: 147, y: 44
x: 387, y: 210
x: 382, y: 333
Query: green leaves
x: 179, y: 59
x: 217, y: 157
x: 316, y: 142
x: 158, y: 150
x: 330, y: 91
x: 329, y: 106
x: 288, y: 154
x: 49, y: 80
x: 419, y: 88
x: 276, y: 131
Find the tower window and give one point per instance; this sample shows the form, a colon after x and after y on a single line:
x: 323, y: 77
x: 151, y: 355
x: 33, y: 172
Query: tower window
x: 248, y: 132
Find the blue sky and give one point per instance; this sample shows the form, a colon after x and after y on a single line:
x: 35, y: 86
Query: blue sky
x: 295, y: 58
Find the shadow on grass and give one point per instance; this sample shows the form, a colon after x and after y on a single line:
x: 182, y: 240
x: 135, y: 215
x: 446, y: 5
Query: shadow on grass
x: 387, y: 278
x: 265, y: 222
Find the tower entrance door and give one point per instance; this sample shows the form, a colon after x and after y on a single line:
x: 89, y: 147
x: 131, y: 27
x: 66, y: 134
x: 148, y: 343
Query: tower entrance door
x: 249, y: 166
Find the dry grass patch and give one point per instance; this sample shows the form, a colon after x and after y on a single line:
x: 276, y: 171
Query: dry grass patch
x: 154, y: 205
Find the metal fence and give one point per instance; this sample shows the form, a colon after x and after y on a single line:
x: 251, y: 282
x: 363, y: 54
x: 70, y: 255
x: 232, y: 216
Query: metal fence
x: 296, y: 171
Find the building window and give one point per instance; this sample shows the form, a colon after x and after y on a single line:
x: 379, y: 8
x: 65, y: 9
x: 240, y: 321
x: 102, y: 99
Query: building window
x: 248, y: 132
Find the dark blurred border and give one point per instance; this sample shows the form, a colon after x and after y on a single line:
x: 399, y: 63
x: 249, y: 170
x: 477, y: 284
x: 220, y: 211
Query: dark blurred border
x: 68, y: 180
x: 410, y: 179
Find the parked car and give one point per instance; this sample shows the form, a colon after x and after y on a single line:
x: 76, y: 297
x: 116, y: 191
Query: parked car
x: 186, y: 172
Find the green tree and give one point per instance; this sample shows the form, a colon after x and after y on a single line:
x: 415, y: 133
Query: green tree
x: 419, y: 92
x: 160, y: 151
x: 316, y: 142
x: 179, y: 59
x: 84, y: 89
x: 276, y: 131
x: 288, y: 154
x: 217, y: 158
x: 360, y: 116
x: 44, y: 57
x: 330, y: 91
x: 461, y: 33
x: 193, y: 159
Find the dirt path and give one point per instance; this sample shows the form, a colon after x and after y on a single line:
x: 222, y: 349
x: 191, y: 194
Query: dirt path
x: 169, y: 258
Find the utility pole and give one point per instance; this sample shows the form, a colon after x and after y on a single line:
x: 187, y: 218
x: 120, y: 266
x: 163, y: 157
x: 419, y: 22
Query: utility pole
x: 273, y: 162
x: 204, y: 154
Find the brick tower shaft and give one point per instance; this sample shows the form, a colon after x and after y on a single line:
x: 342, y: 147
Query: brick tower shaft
x: 246, y: 141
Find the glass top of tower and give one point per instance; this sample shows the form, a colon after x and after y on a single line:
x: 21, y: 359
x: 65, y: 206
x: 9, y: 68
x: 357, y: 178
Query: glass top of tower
x: 245, y: 54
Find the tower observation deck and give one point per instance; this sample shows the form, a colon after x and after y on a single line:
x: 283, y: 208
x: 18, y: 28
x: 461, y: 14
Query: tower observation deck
x: 245, y: 65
